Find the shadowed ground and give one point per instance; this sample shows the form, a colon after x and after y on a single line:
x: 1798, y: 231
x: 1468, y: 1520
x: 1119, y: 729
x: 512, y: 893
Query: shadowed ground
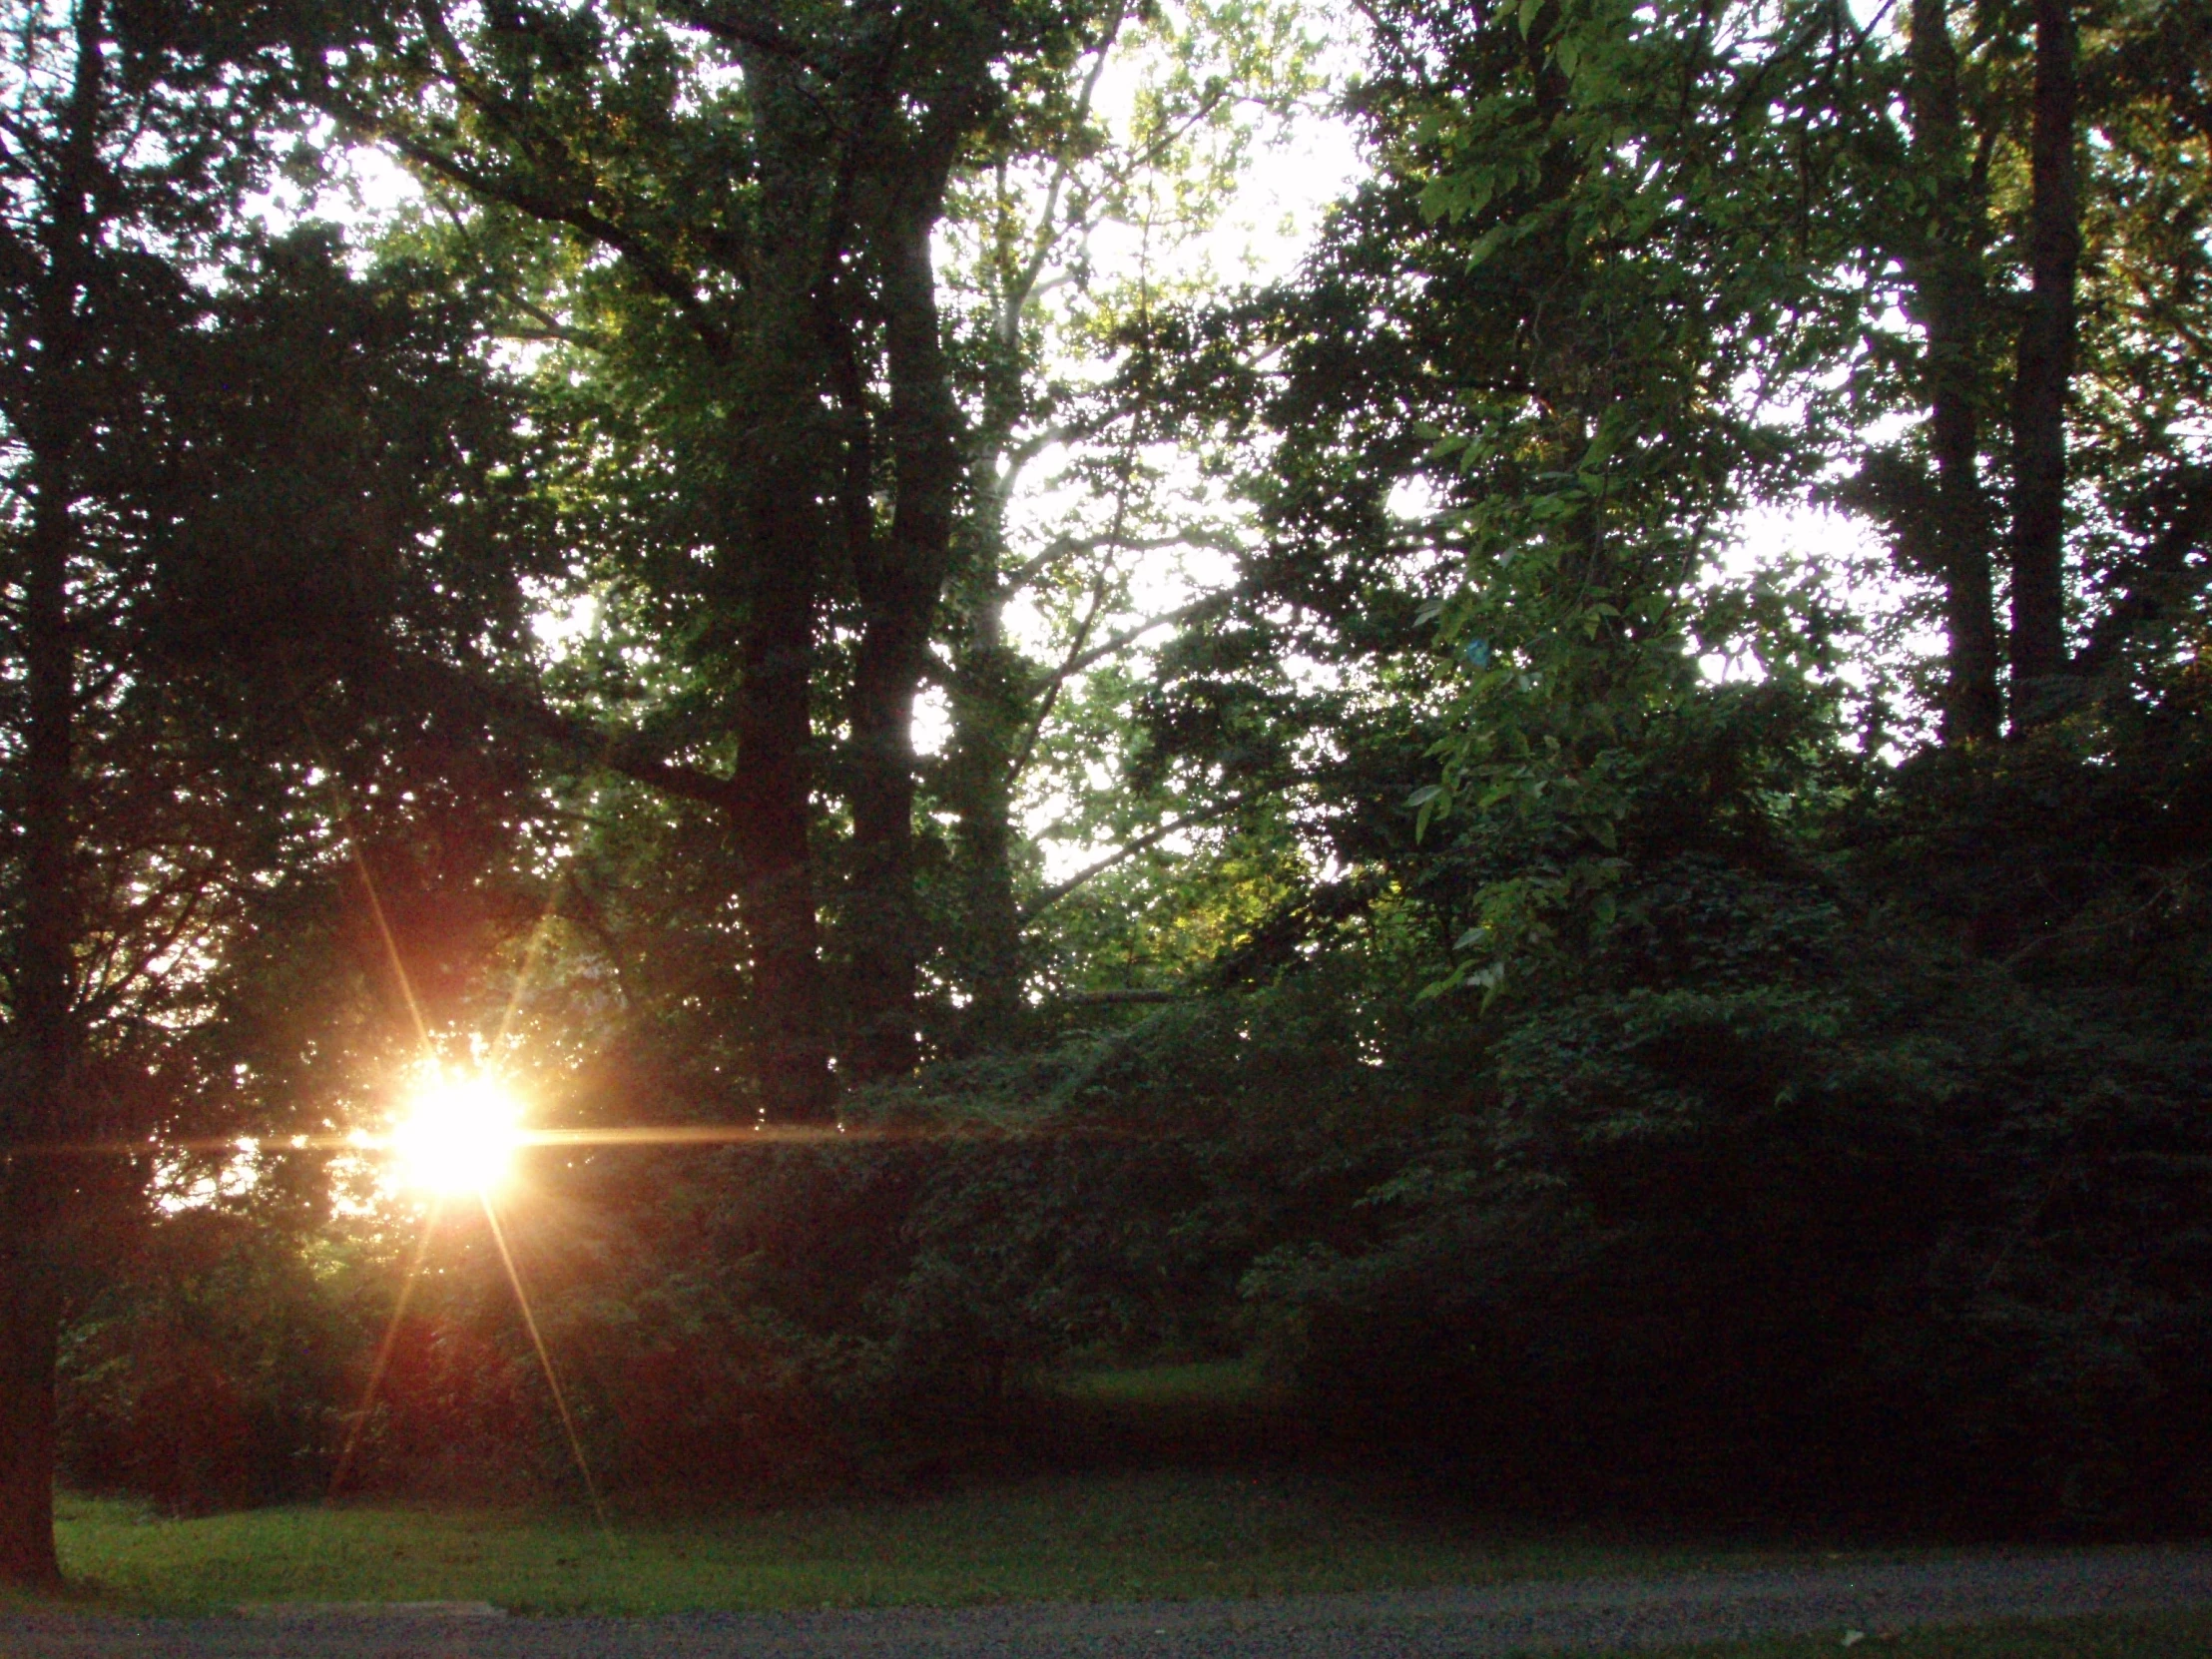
x: 1589, y: 1615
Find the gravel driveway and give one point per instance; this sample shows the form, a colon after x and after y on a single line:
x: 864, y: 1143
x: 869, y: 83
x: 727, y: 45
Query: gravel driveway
x: 1579, y: 1616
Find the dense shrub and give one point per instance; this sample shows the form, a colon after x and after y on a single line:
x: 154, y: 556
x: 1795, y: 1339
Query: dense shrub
x: 1856, y: 1156
x: 1873, y: 1172
x: 212, y: 1372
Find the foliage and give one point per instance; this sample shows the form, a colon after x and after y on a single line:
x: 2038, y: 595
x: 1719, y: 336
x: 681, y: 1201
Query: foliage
x: 1779, y: 1165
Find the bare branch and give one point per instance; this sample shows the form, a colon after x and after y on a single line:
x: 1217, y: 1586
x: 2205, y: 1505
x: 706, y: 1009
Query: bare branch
x: 550, y: 328
x: 1053, y: 685
x: 1143, y: 843
x: 570, y: 204
x: 1122, y: 638
x: 658, y: 275
x: 1061, y: 548
x: 739, y: 25
x: 1024, y: 288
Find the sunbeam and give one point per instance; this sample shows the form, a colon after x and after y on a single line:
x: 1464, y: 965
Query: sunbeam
x: 545, y: 1363
x: 384, y: 1347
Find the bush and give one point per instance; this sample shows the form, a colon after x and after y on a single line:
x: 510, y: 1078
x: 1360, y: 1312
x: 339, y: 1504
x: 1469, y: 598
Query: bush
x: 1790, y: 1187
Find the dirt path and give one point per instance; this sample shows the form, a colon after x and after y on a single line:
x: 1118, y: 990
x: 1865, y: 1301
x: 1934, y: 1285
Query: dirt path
x: 1587, y: 1616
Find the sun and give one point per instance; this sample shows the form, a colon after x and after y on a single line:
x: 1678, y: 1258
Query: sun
x: 459, y: 1135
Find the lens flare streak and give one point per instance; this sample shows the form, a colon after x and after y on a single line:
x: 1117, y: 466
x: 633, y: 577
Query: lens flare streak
x: 384, y: 1351
x: 545, y: 1363
x: 643, y: 1135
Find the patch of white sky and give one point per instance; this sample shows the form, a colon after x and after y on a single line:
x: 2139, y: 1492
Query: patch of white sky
x: 1859, y: 582
x: 356, y: 186
x: 1293, y: 171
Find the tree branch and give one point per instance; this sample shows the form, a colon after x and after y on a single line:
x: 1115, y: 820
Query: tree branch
x: 2159, y: 579
x: 1115, y: 642
x: 634, y: 757
x: 1143, y: 843
x: 658, y: 275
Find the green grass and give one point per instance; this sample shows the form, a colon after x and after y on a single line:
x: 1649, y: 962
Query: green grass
x: 1095, y: 1538
x: 2151, y: 1636
x: 1224, y: 1384
x: 1109, y: 1534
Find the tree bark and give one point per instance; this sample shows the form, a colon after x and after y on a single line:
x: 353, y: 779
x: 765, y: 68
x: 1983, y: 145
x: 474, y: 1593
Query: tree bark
x: 1946, y: 272
x: 900, y: 580
x: 880, y: 916
x: 992, y: 691
x: 2045, y: 367
x: 30, y: 1326
x: 42, y: 979
x: 783, y: 457
x: 44, y: 995
x: 42, y: 990
x: 775, y: 896
x: 991, y: 709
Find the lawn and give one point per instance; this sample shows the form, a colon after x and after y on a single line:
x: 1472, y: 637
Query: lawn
x: 1223, y: 1385
x: 1165, y: 1527
x: 1171, y: 1535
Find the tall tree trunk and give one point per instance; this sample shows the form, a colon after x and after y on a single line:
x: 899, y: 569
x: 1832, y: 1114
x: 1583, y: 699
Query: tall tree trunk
x: 992, y: 702
x: 43, y: 991
x: 782, y: 580
x: 784, y: 455
x: 991, y: 692
x: 900, y: 581
x: 776, y: 898
x: 1945, y: 270
x: 42, y: 987
x: 30, y: 1324
x: 2045, y: 367
x: 42, y: 982
x: 880, y: 915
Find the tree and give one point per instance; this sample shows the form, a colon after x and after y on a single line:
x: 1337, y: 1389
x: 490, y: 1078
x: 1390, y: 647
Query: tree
x: 1997, y: 210
x: 244, y: 476
x: 1510, y: 409
x: 748, y: 197
x: 2045, y: 371
x: 1056, y: 356
x: 135, y: 132
x: 1745, y: 982
x: 1952, y: 293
